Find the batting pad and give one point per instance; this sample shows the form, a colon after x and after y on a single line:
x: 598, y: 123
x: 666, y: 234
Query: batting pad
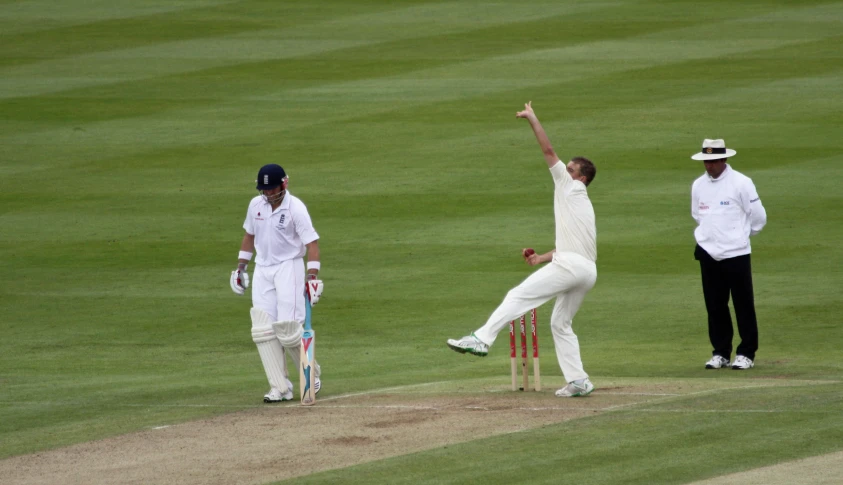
x: 289, y: 333
x: 270, y: 350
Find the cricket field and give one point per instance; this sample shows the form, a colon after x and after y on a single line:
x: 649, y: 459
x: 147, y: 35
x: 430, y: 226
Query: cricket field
x: 131, y: 133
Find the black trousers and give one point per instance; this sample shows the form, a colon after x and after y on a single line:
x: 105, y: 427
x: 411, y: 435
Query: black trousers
x: 719, y: 280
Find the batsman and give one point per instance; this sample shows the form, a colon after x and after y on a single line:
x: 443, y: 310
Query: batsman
x: 570, y: 273
x: 279, y: 229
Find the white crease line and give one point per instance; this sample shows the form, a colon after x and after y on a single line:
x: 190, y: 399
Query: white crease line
x: 597, y: 390
x: 611, y: 409
x: 379, y: 391
x: 690, y: 394
x: 457, y: 408
x: 563, y: 408
x: 382, y: 406
x: 504, y: 391
x: 664, y: 396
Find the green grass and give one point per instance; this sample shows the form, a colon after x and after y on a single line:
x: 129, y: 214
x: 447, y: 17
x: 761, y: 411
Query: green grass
x: 131, y: 133
x: 666, y: 443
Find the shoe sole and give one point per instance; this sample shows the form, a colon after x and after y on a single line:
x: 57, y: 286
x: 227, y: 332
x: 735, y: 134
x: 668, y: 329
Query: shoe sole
x: 711, y: 366
x: 467, y: 351
x: 273, y: 401
x: 581, y: 394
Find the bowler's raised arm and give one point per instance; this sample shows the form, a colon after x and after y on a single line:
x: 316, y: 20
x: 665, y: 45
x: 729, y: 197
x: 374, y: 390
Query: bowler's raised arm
x: 529, y: 115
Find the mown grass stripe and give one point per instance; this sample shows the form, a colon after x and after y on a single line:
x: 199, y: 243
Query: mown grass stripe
x: 199, y: 125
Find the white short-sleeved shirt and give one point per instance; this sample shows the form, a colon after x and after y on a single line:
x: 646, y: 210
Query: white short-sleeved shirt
x: 728, y: 210
x: 280, y: 235
x: 576, y: 231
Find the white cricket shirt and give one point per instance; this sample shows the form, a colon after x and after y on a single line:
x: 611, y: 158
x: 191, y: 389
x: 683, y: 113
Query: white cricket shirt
x: 576, y: 231
x: 282, y: 234
x: 728, y: 210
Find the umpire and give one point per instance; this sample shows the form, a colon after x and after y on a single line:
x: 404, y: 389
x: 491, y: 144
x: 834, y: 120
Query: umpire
x: 728, y: 211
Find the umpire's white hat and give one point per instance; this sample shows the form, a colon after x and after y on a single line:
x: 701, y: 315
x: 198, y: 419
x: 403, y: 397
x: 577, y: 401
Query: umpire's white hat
x: 714, y: 150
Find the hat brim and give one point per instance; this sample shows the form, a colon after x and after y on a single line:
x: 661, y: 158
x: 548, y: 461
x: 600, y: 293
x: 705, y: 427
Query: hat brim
x: 714, y: 156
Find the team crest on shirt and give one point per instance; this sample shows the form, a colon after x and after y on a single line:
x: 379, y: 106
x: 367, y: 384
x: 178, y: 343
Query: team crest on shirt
x: 282, y: 220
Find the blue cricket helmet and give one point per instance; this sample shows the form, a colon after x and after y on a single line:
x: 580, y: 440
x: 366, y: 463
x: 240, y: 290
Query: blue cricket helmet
x: 270, y: 176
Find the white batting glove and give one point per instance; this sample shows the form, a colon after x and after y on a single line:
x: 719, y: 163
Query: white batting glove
x: 314, y: 290
x: 239, y: 281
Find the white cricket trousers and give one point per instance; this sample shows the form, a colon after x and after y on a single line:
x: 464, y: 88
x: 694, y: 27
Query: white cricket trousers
x: 279, y: 290
x: 568, y: 278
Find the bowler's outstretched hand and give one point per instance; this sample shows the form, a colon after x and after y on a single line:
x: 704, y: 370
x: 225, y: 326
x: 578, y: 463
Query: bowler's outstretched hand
x: 528, y: 111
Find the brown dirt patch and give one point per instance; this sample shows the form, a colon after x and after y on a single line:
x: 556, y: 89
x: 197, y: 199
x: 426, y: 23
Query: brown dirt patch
x: 276, y: 442
x: 283, y: 441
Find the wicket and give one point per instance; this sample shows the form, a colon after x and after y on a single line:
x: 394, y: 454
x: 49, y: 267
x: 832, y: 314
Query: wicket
x: 512, y: 355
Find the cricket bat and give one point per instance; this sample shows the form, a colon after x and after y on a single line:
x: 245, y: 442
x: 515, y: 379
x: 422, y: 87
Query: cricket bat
x: 307, y: 372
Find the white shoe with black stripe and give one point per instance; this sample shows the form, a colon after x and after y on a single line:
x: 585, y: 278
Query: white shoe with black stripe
x: 717, y: 362
x: 742, y: 363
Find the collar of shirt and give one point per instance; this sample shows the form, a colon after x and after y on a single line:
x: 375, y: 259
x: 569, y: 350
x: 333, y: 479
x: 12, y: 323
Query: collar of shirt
x: 722, y: 175
x: 285, y: 203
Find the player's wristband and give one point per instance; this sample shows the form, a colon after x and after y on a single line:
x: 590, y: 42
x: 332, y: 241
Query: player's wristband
x: 314, y: 265
x: 245, y: 255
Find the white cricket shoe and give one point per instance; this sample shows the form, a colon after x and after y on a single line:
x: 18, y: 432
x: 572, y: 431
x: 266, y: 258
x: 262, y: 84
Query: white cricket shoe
x: 580, y: 388
x: 317, y: 385
x: 469, y: 344
x: 716, y: 362
x: 275, y: 395
x: 742, y: 363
